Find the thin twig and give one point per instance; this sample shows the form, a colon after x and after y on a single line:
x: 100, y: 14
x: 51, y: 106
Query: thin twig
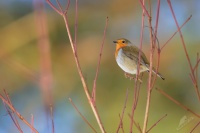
x: 45, y: 60
x: 12, y: 117
x: 98, y: 65
x: 136, y: 124
x: 135, y: 100
x: 18, y: 114
x: 67, y: 7
x: 156, y: 123
x: 85, y: 87
x: 155, y: 38
x: 178, y: 103
x: 54, y: 8
x: 59, y: 6
x: 198, y: 60
x: 11, y: 114
x: 123, y: 110
x: 83, y: 79
x: 77, y: 110
x: 133, y: 106
x: 32, y: 122
x: 195, y: 127
x: 76, y: 24
x: 121, y: 125
x: 150, y: 74
x: 185, y: 49
x: 156, y: 25
x: 144, y: 8
x: 196, y: 65
x: 175, y: 33
x: 141, y: 41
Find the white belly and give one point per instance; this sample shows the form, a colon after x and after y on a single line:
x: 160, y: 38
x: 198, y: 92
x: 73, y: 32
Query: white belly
x: 127, y: 64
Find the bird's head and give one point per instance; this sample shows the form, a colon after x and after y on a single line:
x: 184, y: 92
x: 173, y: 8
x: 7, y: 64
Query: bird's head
x: 122, y: 42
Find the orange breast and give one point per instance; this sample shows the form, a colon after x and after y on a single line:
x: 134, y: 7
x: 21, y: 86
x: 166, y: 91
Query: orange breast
x: 118, y: 47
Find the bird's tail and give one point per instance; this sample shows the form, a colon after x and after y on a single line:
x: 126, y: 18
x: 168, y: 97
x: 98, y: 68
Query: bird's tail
x: 158, y: 74
x: 154, y: 71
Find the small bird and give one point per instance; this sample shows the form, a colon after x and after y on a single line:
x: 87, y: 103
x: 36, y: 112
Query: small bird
x: 126, y: 55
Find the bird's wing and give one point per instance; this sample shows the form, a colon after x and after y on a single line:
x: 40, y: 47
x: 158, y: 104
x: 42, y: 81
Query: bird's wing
x: 133, y: 52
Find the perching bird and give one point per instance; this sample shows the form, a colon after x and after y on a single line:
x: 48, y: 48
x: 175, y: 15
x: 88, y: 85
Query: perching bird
x: 126, y: 55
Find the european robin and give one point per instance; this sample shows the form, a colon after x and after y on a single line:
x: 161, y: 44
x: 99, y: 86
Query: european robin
x: 126, y: 55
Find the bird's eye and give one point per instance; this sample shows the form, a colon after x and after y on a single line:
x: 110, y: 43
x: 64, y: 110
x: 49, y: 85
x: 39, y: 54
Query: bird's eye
x: 123, y: 41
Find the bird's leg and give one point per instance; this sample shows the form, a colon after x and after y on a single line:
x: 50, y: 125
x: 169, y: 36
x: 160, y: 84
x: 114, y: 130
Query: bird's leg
x: 127, y: 75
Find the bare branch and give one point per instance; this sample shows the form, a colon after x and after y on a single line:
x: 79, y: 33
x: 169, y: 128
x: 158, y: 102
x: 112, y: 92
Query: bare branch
x: 156, y: 123
x: 18, y: 114
x: 123, y: 110
x: 85, y: 87
x: 54, y: 8
x: 98, y: 66
x: 11, y: 114
x: 77, y: 110
x: 178, y: 103
x: 59, y: 6
x: 195, y: 127
x: 32, y: 122
x: 175, y: 32
x: 184, y: 47
x: 136, y: 124
x: 144, y: 8
x: 67, y: 7
x: 150, y: 73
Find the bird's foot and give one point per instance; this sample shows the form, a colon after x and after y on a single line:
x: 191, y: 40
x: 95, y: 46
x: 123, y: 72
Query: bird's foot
x: 127, y: 75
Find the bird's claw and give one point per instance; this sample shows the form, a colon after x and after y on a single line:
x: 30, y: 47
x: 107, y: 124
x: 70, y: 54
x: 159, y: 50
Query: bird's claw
x: 127, y: 75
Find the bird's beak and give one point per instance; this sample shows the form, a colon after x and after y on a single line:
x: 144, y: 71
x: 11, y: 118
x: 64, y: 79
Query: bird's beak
x: 115, y: 41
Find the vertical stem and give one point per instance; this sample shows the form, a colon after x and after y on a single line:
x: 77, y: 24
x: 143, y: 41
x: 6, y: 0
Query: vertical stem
x: 150, y: 74
x: 94, y: 109
x: 185, y: 50
x: 76, y: 24
x: 136, y: 88
x: 45, y: 60
x: 17, y: 113
x: 73, y: 46
x: 98, y: 65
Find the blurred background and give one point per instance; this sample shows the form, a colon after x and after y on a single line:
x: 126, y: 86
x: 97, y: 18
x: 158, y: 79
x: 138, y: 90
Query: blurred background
x: 24, y: 55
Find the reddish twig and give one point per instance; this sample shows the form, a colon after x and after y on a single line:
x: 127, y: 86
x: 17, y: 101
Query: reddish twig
x: 77, y: 110
x: 156, y: 25
x: 17, y: 113
x: 123, y: 110
x: 181, y: 36
x: 138, y: 71
x: 185, y: 50
x: 150, y: 74
x: 195, y: 127
x: 144, y: 8
x: 157, y: 66
x: 175, y: 33
x: 155, y: 38
x: 11, y: 114
x: 76, y: 23
x: 141, y: 41
x: 197, y: 63
x: 136, y: 124
x: 85, y: 87
x: 98, y: 65
x: 45, y: 59
x: 32, y: 122
x: 120, y: 125
x: 178, y: 103
x: 54, y: 8
x: 156, y: 123
x: 67, y: 7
